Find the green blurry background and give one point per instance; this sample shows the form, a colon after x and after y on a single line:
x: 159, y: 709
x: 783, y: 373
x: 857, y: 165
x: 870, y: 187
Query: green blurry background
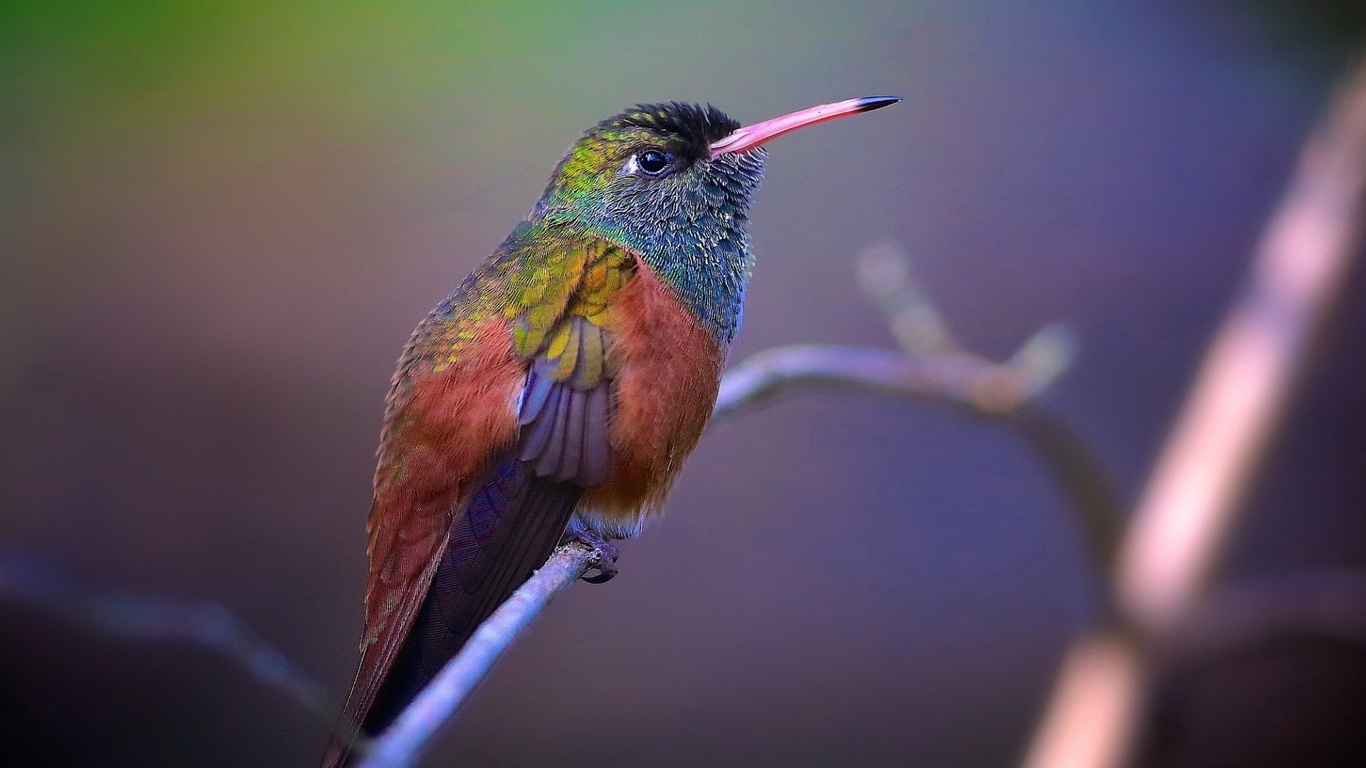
x: 218, y: 223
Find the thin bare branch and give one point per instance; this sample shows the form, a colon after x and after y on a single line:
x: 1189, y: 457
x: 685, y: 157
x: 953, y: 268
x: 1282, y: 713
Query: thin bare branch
x: 955, y: 379
x: 148, y: 617
x: 1094, y: 712
x: 888, y: 275
x: 934, y: 366
x: 1328, y: 605
x: 1005, y: 391
x: 1096, y: 506
x: 1183, y: 519
x: 420, y: 721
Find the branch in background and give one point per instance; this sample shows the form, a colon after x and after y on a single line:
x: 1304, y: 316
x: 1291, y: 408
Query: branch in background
x: 936, y: 368
x: 1182, y: 520
x: 1096, y: 507
x: 404, y: 741
x: 1003, y: 391
x: 1328, y: 605
x: 885, y: 272
x: 147, y: 617
x: 933, y: 365
x: 1185, y: 515
x: 957, y: 379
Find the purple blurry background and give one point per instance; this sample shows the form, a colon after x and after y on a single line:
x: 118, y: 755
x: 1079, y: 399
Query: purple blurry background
x: 219, y: 223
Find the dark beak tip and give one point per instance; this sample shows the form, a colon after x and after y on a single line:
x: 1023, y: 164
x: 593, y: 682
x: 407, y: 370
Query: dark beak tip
x: 870, y: 103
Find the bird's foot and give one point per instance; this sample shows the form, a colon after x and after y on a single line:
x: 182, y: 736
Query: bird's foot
x: 607, y: 554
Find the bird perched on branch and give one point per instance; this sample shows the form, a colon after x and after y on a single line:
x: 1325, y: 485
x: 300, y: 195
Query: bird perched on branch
x: 558, y: 391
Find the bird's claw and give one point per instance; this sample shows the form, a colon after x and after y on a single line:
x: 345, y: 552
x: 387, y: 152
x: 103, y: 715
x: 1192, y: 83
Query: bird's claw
x: 606, y: 561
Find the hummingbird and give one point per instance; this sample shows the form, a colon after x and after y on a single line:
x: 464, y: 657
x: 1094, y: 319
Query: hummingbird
x: 557, y: 392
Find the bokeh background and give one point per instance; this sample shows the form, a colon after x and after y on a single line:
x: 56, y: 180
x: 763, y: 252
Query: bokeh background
x: 220, y: 220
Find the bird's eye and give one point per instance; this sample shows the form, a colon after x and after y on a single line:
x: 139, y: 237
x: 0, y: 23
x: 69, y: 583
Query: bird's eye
x: 653, y: 162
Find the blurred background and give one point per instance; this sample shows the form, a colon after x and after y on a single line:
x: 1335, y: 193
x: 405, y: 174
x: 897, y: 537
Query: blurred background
x: 220, y: 220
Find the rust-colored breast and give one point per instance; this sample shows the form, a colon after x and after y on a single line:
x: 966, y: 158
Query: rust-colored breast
x: 667, y: 373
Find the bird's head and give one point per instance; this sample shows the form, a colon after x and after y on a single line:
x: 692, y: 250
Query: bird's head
x: 658, y: 169
x: 674, y: 183
x: 646, y: 176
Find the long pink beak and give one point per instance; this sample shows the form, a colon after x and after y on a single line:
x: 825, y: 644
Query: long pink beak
x: 754, y: 135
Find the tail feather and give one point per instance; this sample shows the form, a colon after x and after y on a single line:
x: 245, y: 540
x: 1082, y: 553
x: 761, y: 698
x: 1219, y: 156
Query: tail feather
x: 535, y: 521
x: 508, y: 529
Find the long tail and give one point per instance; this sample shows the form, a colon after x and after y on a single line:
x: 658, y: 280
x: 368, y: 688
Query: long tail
x: 506, y: 531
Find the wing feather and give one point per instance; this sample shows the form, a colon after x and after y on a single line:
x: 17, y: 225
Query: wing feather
x: 517, y: 511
